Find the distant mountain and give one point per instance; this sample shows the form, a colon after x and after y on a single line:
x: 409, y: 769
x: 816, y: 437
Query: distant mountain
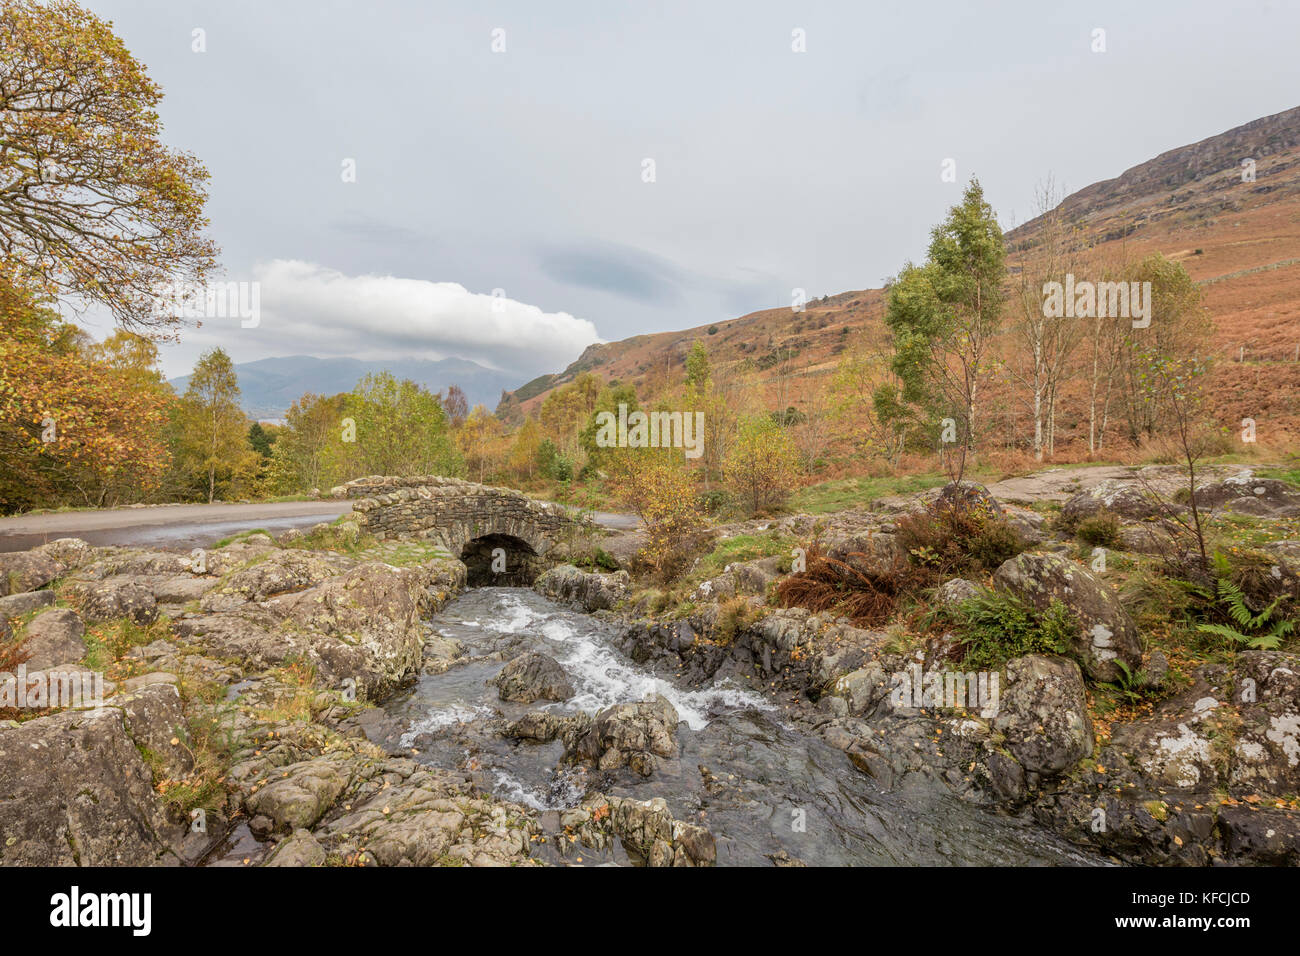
x: 269, y: 386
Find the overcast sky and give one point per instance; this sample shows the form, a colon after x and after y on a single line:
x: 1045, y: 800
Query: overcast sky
x: 523, y: 171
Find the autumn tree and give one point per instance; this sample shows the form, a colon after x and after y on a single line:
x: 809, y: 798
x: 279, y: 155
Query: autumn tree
x: 566, y: 410
x: 400, y: 428
x: 655, y: 484
x: 456, y: 405
x: 1041, y: 357
x: 210, y: 430
x: 865, y: 407
x: 481, y: 441
x: 608, y: 400
x: 309, y: 451
x: 763, y: 464
x: 524, y: 446
x: 944, y: 314
x: 79, y: 423
x: 92, y: 204
x: 1176, y: 331
x: 698, y: 372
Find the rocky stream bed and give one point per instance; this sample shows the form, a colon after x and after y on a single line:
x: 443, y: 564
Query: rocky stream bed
x: 276, y: 705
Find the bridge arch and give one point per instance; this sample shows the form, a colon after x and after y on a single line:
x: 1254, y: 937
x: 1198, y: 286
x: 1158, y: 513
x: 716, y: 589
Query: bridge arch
x: 466, y: 519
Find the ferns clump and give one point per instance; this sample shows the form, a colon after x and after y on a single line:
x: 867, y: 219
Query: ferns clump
x: 995, y: 627
x: 1256, y: 630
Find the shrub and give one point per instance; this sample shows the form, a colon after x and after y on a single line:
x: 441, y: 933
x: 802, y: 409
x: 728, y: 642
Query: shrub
x: 994, y: 628
x: 656, y: 486
x: 960, y: 538
x: 1100, y: 530
x: 733, y: 616
x: 717, y: 501
x: 763, y: 464
x: 866, y: 598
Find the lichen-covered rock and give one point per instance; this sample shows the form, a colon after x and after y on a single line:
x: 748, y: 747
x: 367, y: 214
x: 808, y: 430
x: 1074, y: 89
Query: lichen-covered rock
x: 280, y: 572
x: 543, y: 726
x: 78, y: 792
x: 955, y: 591
x: 298, y: 849
x: 1244, y: 493
x: 533, y: 676
x: 1126, y: 499
x: 155, y: 720
x: 22, y: 571
x: 426, y: 817
x: 588, y: 590
x: 647, y: 830
x: 17, y: 605
x: 301, y: 793
x: 54, y: 636
x: 1104, y: 633
x: 967, y: 495
x: 1043, y: 714
x: 1266, y: 752
x: 869, y: 552
x: 112, y: 599
x: 741, y: 577
x: 636, y: 735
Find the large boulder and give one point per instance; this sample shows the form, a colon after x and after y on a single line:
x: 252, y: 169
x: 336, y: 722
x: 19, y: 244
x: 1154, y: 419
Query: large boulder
x: 298, y: 849
x: 872, y: 552
x: 533, y: 676
x: 647, y: 830
x: 429, y: 817
x: 636, y: 735
x: 1043, y: 714
x: 364, y: 624
x: 280, y: 572
x: 77, y: 792
x: 23, y: 603
x: 112, y: 599
x: 588, y: 590
x: 31, y: 570
x: 967, y: 496
x: 1125, y: 499
x: 742, y: 577
x: 55, y: 636
x: 1104, y: 632
x: 1266, y: 753
x: 1245, y: 494
x: 298, y: 796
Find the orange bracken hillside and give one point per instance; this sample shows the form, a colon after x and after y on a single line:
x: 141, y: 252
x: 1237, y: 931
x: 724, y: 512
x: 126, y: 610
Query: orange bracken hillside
x: 1238, y: 238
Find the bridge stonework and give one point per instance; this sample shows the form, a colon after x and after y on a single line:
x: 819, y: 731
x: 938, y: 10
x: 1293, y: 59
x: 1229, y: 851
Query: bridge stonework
x: 454, y: 513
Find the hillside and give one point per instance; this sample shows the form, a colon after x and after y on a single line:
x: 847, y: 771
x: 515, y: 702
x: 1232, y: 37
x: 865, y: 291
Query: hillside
x: 269, y: 386
x: 1239, y: 240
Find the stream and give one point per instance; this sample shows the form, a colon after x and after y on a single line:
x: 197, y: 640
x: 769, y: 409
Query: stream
x: 771, y: 787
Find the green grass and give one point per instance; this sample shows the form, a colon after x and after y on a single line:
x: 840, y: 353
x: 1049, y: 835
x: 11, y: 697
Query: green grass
x: 403, y: 554
x: 743, y: 547
x: 1290, y: 475
x: 845, y: 493
x: 241, y: 536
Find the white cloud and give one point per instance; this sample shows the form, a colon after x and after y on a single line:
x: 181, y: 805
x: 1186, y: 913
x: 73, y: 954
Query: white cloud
x: 312, y: 309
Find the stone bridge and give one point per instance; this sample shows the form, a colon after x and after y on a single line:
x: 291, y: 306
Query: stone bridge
x: 470, y: 521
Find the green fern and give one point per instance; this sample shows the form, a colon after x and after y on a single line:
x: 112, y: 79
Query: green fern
x: 1250, y: 627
